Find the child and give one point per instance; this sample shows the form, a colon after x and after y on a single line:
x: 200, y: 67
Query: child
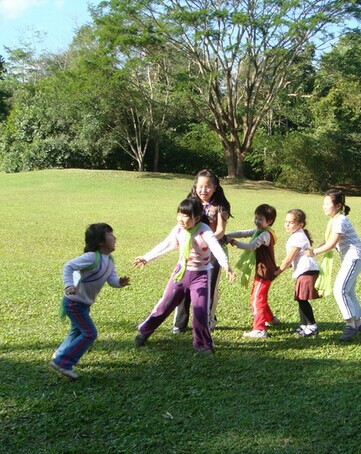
x: 259, y: 251
x: 305, y: 270
x: 96, y: 267
x: 191, y: 276
x: 217, y: 210
x: 341, y: 235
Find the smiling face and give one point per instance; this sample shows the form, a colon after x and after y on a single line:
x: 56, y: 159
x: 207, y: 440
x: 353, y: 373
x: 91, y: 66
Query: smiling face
x: 187, y: 222
x: 291, y: 224
x: 205, y: 189
x: 329, y: 208
x: 261, y: 222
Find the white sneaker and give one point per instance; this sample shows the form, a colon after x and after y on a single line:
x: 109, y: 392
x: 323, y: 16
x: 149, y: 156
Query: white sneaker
x: 256, y: 333
x: 67, y: 372
x: 273, y: 322
x: 212, y: 324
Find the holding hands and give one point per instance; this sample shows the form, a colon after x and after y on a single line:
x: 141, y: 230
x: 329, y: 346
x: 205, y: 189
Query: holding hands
x: 309, y: 253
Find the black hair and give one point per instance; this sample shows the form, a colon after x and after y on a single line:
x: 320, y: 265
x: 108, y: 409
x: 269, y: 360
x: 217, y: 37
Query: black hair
x: 95, y: 235
x: 191, y: 206
x: 267, y: 211
x: 338, y: 197
x: 300, y: 218
x: 218, y: 197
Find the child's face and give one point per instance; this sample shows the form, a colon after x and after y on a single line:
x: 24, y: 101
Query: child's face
x: 186, y: 221
x: 261, y: 222
x: 329, y: 208
x: 291, y: 225
x: 109, y: 244
x: 205, y: 189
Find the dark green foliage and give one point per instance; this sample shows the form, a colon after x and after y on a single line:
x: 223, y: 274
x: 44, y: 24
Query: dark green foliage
x: 195, y: 147
x: 126, y: 95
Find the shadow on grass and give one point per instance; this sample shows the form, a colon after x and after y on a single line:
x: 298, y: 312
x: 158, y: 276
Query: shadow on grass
x: 242, y: 183
x: 252, y: 396
x: 165, y: 176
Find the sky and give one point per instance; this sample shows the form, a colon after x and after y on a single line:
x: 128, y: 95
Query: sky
x: 56, y: 20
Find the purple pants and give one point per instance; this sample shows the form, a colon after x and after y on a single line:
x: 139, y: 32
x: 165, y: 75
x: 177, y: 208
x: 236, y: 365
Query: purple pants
x: 195, y: 285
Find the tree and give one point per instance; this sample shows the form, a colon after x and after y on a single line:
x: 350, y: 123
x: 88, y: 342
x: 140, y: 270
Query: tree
x: 240, y: 53
x: 336, y: 108
x: 4, y: 92
x: 144, y: 70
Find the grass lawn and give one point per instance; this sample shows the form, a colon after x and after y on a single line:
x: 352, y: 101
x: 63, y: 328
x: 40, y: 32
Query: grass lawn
x: 276, y: 395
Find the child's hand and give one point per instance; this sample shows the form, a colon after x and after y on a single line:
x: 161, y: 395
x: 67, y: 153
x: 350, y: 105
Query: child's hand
x: 228, y: 239
x: 124, y: 281
x: 230, y: 274
x: 71, y: 290
x: 309, y: 253
x: 139, y: 262
x: 277, y: 272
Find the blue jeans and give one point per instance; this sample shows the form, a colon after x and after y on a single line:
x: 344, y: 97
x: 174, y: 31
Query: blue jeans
x: 80, y: 337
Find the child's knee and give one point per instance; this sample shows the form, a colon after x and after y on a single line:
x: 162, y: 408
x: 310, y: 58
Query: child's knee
x: 92, y: 335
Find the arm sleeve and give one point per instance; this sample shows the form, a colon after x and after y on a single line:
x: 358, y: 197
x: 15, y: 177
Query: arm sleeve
x: 113, y: 279
x: 77, y: 264
x: 339, y: 224
x: 242, y: 233
x: 263, y: 239
x: 167, y: 245
x: 216, y: 248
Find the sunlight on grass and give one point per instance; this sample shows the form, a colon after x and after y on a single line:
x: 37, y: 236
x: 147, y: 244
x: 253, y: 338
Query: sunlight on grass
x: 279, y: 395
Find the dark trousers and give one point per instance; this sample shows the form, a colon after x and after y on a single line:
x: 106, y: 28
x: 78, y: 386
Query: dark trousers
x: 181, y: 318
x: 195, y: 286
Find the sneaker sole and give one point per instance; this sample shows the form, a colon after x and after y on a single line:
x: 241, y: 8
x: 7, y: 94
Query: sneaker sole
x: 349, y: 339
x: 69, y: 374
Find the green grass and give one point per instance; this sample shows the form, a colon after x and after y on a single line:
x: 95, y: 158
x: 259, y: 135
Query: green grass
x: 279, y: 395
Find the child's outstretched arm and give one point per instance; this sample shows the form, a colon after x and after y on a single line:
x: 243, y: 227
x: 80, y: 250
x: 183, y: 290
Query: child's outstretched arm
x: 287, y: 261
x: 139, y: 262
x: 263, y: 239
x: 240, y: 234
x: 327, y: 246
x: 167, y: 245
x: 118, y: 282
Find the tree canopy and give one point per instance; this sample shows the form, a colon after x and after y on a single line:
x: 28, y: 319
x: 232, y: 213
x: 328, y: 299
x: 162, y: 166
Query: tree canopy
x: 242, y: 87
x: 240, y: 54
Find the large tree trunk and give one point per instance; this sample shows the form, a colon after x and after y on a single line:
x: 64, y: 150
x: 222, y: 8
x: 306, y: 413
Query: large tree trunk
x: 240, y: 164
x: 234, y: 158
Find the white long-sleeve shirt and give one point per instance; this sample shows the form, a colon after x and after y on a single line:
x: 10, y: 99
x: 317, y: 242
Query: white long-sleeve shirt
x: 91, y: 280
x: 203, y: 244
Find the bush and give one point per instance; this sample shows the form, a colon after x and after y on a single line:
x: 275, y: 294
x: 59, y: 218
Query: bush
x: 186, y: 152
